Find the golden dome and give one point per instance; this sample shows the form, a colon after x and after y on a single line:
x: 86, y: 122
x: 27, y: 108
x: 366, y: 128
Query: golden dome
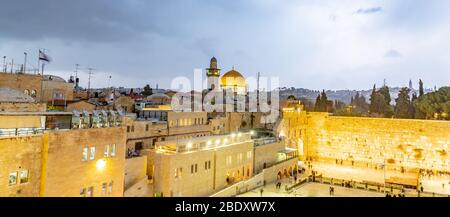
x: 232, y: 79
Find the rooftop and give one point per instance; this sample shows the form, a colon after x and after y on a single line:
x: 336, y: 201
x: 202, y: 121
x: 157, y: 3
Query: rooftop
x: 12, y: 95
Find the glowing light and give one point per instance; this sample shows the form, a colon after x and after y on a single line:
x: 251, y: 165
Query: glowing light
x: 209, y: 143
x: 189, y: 145
x: 252, y: 132
x: 101, y: 164
x: 233, y: 135
x: 218, y: 142
x: 225, y: 141
x: 239, y: 134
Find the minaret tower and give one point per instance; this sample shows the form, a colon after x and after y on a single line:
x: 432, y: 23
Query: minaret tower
x: 213, y: 73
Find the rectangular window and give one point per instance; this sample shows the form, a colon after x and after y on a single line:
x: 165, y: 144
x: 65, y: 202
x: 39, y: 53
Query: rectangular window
x: 146, y: 127
x: 249, y: 154
x: 92, y: 154
x: 176, y: 172
x: 113, y: 150
x: 83, y: 192
x: 110, y: 189
x: 104, y: 185
x: 206, y: 165
x: 23, y: 176
x: 196, y: 168
x: 192, y: 168
x: 90, y: 191
x: 128, y: 129
x: 106, y: 153
x: 132, y: 128
x: 84, y: 156
x: 209, y: 164
x: 13, y: 178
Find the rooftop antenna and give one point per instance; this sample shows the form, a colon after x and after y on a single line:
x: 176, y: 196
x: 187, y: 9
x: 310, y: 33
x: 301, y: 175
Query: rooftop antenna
x: 76, y: 74
x: 4, y: 63
x: 25, y: 62
x: 90, y: 73
x: 12, y: 66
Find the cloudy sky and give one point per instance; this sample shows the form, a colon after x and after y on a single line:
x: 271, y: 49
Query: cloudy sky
x: 331, y: 44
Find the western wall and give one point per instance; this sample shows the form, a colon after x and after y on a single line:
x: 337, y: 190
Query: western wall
x: 400, y: 144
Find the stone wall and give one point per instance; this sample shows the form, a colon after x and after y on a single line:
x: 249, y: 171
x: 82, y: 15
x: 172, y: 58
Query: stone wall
x: 22, y: 82
x: 19, y: 154
x: 403, y: 143
x: 66, y: 174
x: 22, y: 107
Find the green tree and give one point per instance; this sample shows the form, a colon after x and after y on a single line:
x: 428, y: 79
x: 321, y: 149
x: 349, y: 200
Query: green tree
x: 434, y: 105
x: 403, y: 104
x: 317, y: 104
x: 147, y: 90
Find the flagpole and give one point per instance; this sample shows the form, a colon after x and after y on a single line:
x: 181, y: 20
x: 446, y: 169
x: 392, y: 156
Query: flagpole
x: 39, y: 61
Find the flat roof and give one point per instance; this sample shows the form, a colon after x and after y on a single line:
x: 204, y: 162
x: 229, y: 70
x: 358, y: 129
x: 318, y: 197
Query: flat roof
x: 34, y: 113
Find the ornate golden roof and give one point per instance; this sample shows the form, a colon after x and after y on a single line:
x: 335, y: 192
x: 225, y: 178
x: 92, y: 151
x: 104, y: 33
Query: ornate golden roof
x: 232, y: 79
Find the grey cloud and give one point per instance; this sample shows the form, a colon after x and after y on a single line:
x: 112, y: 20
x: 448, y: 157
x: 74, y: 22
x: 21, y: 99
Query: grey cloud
x: 369, y: 10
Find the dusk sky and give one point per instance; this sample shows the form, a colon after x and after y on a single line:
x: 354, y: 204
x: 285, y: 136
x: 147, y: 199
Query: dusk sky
x: 335, y: 44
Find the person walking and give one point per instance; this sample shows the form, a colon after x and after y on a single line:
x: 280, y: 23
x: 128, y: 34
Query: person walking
x: 261, y: 191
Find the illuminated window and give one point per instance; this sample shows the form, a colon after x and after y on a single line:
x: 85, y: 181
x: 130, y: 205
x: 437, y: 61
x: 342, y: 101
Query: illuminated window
x: 249, y: 154
x: 92, y: 154
x: 84, y: 156
x: 33, y: 93
x: 13, y: 178
x: 113, y: 150
x: 23, y: 176
x: 106, y: 153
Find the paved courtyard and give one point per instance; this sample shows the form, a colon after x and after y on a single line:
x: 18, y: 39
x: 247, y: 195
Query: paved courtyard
x: 437, y: 184
x: 311, y: 190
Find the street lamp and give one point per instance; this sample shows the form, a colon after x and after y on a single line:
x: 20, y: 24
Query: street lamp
x: 101, y: 164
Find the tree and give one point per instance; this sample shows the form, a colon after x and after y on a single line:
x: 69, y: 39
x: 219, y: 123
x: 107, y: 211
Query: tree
x: 380, y: 102
x: 373, y: 106
x: 147, y: 90
x: 421, y: 92
x: 317, y: 104
x: 387, y: 96
x: 403, y: 104
x: 434, y: 105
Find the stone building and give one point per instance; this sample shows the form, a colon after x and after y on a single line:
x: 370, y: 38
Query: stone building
x: 51, y: 154
x: 200, y: 166
x: 45, y: 89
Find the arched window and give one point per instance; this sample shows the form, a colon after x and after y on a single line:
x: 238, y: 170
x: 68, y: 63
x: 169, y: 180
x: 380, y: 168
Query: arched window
x: 33, y: 93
